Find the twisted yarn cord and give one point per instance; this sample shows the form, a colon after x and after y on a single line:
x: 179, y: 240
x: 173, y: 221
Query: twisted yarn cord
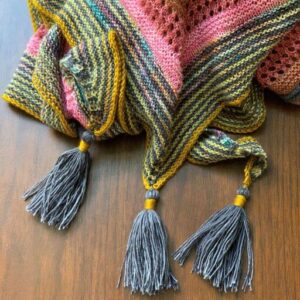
x: 247, y: 172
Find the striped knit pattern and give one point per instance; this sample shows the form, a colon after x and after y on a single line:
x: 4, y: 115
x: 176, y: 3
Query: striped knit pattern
x: 20, y: 91
x: 46, y: 80
x: 280, y: 71
x: 217, y: 86
x: 95, y: 70
x: 214, y: 146
x: 221, y: 74
x: 148, y: 93
x: 246, y: 117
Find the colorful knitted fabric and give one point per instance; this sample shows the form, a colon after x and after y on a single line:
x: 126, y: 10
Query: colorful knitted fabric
x: 182, y: 71
x: 280, y: 71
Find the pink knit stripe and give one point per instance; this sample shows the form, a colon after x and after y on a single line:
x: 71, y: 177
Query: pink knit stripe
x: 220, y: 24
x: 70, y: 104
x: 164, y: 54
x: 34, y: 43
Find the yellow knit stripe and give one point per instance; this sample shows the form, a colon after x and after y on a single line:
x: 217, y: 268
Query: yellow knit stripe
x: 187, y: 147
x: 211, y: 149
x: 182, y: 156
x: 148, y: 116
x: 56, y: 19
x: 252, y: 39
x: 239, y: 101
x: 248, y: 117
x: 209, y: 91
x: 210, y: 87
x: 235, y: 89
x: 165, y: 100
x: 72, y: 42
x: 243, y: 130
x: 207, y: 152
x: 17, y: 88
x: 51, y: 99
x: 120, y: 75
x: 109, y: 82
x: 17, y: 103
x: 117, y: 60
x: 246, y: 139
x: 34, y: 21
x: 112, y: 38
x: 109, y: 97
x: 92, y: 27
x: 185, y: 144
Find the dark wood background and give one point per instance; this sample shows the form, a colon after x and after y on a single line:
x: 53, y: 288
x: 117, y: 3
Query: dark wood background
x: 37, y: 262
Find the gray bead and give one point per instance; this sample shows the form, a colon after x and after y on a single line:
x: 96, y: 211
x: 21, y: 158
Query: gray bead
x: 88, y: 137
x: 152, y: 194
x: 243, y: 191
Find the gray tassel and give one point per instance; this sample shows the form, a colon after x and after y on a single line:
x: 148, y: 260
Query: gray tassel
x: 219, y: 244
x: 146, y: 265
x: 58, y: 196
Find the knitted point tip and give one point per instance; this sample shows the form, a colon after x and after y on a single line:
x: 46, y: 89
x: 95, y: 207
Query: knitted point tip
x: 57, y: 197
x: 220, y: 243
x: 146, y: 266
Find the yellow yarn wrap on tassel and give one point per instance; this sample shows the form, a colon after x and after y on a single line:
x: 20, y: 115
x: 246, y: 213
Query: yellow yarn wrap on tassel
x: 150, y: 203
x: 240, y: 200
x: 83, y: 146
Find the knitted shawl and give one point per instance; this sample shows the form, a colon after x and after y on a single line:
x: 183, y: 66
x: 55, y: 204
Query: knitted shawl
x: 185, y: 72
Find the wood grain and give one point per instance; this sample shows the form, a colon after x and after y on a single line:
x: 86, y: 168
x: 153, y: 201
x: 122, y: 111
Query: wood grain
x: 37, y: 262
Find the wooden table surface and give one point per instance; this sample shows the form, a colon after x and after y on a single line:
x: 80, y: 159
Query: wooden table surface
x: 38, y: 262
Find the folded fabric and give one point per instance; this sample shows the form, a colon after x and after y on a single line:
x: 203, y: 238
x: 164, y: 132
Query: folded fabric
x: 182, y: 71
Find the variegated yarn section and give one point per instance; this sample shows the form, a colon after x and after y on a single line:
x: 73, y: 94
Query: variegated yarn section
x: 215, y: 146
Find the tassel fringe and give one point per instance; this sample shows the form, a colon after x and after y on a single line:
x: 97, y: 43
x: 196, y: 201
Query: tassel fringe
x: 146, y: 265
x: 221, y: 241
x: 58, y: 196
x: 219, y: 244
